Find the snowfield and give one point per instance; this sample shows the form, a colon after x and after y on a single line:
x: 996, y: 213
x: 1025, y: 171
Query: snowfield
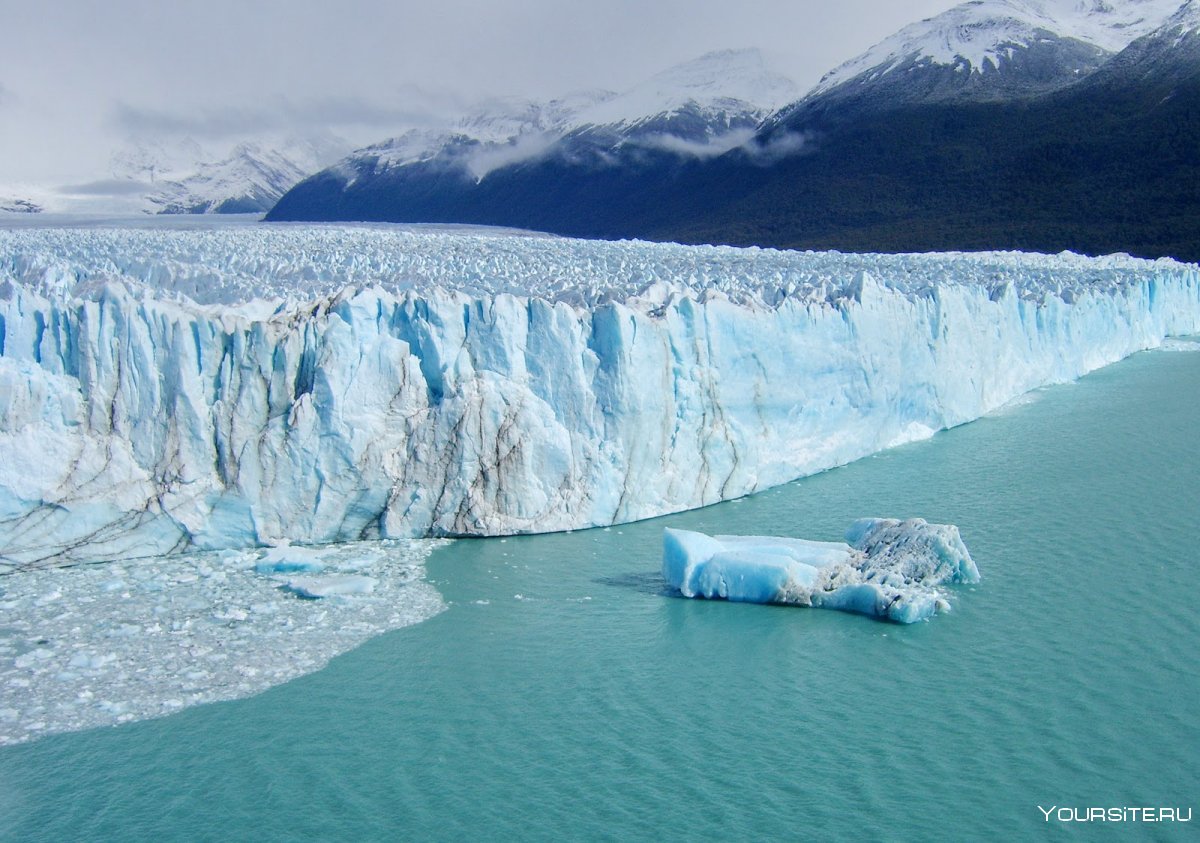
x: 165, y: 390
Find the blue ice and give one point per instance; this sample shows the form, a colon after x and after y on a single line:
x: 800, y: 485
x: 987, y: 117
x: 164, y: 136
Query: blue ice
x: 886, y: 568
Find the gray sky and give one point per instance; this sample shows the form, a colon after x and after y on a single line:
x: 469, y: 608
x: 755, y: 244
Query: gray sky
x: 77, y: 77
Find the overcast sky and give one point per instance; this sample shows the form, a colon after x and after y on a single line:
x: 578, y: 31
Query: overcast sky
x: 79, y: 77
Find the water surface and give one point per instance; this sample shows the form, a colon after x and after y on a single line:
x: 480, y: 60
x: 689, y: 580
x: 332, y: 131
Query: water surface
x: 564, y: 695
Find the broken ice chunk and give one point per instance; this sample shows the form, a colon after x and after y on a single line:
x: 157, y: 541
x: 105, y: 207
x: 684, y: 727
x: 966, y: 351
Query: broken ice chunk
x: 317, y: 587
x: 290, y: 560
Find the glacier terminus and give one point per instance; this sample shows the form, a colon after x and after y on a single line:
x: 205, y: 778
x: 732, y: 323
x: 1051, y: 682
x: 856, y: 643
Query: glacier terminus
x: 232, y: 387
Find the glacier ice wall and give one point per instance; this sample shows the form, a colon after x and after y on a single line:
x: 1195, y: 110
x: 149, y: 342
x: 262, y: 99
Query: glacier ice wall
x: 166, y: 390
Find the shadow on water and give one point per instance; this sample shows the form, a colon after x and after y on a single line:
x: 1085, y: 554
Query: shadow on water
x: 644, y: 583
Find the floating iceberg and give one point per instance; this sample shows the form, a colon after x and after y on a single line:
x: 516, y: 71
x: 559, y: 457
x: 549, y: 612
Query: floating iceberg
x: 888, y: 568
x: 168, y: 390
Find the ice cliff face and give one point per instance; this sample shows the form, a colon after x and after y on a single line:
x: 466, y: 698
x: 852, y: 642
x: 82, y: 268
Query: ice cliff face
x: 163, y: 390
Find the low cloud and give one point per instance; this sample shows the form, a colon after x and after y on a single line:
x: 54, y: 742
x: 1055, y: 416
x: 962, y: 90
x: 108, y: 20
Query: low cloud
x: 779, y: 145
x: 412, y: 109
x: 708, y: 148
x: 484, y: 159
x: 107, y: 187
x: 487, y: 159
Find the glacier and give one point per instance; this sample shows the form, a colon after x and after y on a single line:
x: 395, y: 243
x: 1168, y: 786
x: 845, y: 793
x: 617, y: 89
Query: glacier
x: 164, y: 390
x: 887, y: 568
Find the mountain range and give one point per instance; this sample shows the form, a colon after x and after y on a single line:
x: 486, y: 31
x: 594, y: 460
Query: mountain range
x: 1033, y: 124
x: 182, y: 176
x: 249, y: 180
x: 698, y: 110
x: 187, y: 177
x: 702, y: 107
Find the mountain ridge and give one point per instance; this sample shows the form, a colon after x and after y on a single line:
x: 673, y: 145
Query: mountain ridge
x: 1099, y: 162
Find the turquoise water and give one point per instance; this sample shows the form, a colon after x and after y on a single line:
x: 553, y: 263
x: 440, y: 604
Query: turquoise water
x: 595, y: 707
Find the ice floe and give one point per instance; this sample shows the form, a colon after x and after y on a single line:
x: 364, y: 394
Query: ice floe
x: 97, y: 645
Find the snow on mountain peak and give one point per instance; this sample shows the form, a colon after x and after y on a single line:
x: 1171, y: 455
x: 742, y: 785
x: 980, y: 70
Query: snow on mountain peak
x: 1111, y: 26
x: 732, y: 89
x: 183, y: 175
x: 248, y: 179
x: 1186, y: 20
x: 715, y: 80
x: 496, y: 121
x: 499, y: 119
x: 985, y: 31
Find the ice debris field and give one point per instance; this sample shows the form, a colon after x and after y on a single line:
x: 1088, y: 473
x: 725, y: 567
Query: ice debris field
x: 98, y: 645
x: 175, y: 390
x: 887, y: 568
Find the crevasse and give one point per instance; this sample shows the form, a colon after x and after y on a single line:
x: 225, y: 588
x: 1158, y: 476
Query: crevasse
x: 165, y: 390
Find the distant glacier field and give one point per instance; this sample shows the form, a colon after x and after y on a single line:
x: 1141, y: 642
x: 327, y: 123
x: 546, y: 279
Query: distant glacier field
x: 169, y: 389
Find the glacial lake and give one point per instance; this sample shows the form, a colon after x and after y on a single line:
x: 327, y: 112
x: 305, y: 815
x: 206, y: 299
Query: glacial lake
x: 563, y: 695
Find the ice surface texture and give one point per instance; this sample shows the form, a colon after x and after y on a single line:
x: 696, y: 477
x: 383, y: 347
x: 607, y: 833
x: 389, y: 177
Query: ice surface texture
x: 889, y: 569
x: 165, y: 390
x: 98, y: 645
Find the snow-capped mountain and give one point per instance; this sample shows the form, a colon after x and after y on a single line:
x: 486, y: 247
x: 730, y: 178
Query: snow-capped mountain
x: 1185, y: 21
x: 718, y: 97
x: 698, y: 109
x: 497, y: 125
x: 1029, y: 124
x: 1164, y: 59
x: 185, y: 177
x: 158, y: 159
x: 726, y: 86
x: 500, y: 119
x: 701, y: 108
x: 173, y: 175
x: 983, y: 35
x: 963, y: 132
x: 14, y: 205
x: 250, y: 180
x: 988, y: 50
